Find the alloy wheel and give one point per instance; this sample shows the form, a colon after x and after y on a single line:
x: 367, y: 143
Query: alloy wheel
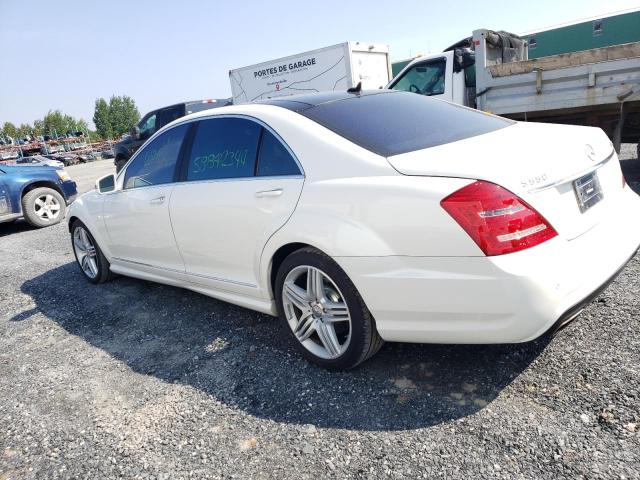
x: 85, y: 252
x: 316, y: 312
x: 47, y: 207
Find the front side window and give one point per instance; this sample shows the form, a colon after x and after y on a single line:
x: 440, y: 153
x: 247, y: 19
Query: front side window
x: 223, y: 148
x: 155, y: 163
x: 423, y: 78
x: 274, y: 158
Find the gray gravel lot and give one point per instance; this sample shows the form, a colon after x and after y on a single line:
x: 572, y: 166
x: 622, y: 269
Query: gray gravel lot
x: 136, y: 380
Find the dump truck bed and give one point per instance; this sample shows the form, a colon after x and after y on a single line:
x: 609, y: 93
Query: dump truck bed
x: 596, y: 80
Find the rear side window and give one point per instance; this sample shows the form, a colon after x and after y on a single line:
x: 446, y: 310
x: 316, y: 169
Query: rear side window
x: 274, y: 158
x: 148, y: 126
x: 155, y: 163
x: 168, y: 115
x: 223, y: 148
x: 391, y: 123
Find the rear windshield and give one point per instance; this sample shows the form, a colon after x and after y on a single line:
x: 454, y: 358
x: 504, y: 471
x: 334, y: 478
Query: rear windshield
x: 391, y: 123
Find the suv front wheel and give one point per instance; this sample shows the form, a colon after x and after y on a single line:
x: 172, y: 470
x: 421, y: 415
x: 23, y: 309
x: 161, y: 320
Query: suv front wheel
x: 43, y: 206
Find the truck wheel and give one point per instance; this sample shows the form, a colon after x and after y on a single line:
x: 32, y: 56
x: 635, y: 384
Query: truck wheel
x: 43, y: 207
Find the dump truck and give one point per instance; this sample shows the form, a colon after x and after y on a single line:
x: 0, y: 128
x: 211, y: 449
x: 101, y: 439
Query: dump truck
x: 492, y: 71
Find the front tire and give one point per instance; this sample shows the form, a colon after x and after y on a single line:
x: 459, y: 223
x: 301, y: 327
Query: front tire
x: 92, y: 262
x: 42, y: 207
x: 323, y: 312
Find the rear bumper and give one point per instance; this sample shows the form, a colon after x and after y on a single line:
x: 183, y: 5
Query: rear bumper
x: 571, y: 314
x: 505, y: 299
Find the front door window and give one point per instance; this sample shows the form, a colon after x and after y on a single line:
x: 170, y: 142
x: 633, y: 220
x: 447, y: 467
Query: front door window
x: 155, y: 164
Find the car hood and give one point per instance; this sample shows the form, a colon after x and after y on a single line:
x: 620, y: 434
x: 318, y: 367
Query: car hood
x: 30, y: 169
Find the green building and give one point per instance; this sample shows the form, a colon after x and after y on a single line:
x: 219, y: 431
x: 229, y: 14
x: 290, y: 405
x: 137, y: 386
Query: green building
x: 602, y: 32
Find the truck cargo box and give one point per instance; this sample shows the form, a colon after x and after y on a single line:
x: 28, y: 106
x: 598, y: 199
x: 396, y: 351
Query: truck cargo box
x: 337, y: 67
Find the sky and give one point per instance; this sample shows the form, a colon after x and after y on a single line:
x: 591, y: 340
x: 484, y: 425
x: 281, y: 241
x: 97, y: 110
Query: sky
x: 64, y: 54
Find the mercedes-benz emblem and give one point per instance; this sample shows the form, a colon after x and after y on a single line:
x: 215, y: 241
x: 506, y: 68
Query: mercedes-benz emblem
x: 591, y: 153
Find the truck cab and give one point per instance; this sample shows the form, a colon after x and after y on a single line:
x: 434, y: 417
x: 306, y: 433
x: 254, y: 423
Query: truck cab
x: 449, y: 75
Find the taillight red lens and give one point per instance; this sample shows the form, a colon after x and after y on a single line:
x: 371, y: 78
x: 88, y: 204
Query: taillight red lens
x: 496, y: 219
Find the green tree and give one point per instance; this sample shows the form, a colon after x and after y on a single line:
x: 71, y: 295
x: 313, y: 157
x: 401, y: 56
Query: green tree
x: 101, y: 118
x: 70, y: 124
x: 82, y: 126
x: 25, y: 130
x: 54, y: 123
x: 123, y: 114
x: 38, y: 127
x: 9, y: 130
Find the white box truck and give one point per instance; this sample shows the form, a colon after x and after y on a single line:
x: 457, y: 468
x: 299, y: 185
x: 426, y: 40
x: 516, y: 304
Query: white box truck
x: 337, y: 67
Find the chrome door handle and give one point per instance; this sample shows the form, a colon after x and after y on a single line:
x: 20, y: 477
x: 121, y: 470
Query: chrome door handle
x: 157, y: 201
x: 276, y: 192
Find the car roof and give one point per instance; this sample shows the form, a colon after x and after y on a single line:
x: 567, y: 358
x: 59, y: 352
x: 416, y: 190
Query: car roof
x: 299, y: 103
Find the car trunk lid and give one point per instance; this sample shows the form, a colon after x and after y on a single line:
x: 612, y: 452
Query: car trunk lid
x: 564, y: 172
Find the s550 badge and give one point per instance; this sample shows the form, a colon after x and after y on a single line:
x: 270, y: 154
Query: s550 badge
x: 534, y: 181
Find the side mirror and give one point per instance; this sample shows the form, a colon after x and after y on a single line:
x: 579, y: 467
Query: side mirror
x: 106, y: 184
x: 463, y: 58
x: 135, y: 133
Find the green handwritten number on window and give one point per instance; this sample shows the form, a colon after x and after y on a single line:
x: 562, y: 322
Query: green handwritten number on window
x: 224, y: 159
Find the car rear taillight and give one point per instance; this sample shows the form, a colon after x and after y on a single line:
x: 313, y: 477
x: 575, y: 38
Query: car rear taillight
x: 496, y: 219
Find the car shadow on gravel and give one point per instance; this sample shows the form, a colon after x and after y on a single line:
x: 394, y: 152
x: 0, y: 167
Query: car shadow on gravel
x: 245, y: 360
x: 17, y: 226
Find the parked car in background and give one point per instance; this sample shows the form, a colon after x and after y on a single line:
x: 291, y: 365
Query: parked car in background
x: 108, y: 153
x: 9, y: 155
x: 39, y: 160
x: 154, y: 121
x: 40, y: 194
x: 329, y: 211
x: 66, y: 158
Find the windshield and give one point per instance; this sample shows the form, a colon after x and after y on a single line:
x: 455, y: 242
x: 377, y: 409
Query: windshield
x: 390, y: 123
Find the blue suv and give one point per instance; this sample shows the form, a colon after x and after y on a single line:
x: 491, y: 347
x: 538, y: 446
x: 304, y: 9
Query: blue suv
x: 39, y: 194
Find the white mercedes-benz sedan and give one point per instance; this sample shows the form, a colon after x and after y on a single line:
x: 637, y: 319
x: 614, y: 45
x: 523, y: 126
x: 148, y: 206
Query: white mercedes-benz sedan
x: 372, y: 216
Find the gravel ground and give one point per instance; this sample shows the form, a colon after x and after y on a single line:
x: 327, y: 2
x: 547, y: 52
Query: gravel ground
x: 137, y: 380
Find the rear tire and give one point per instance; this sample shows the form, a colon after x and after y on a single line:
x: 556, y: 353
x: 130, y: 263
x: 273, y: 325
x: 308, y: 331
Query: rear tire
x: 43, y: 207
x: 93, y: 264
x: 312, y: 316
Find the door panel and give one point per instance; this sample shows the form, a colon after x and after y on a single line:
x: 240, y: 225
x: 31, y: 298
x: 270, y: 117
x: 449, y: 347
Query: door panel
x: 137, y: 217
x: 221, y: 226
x: 139, y: 227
